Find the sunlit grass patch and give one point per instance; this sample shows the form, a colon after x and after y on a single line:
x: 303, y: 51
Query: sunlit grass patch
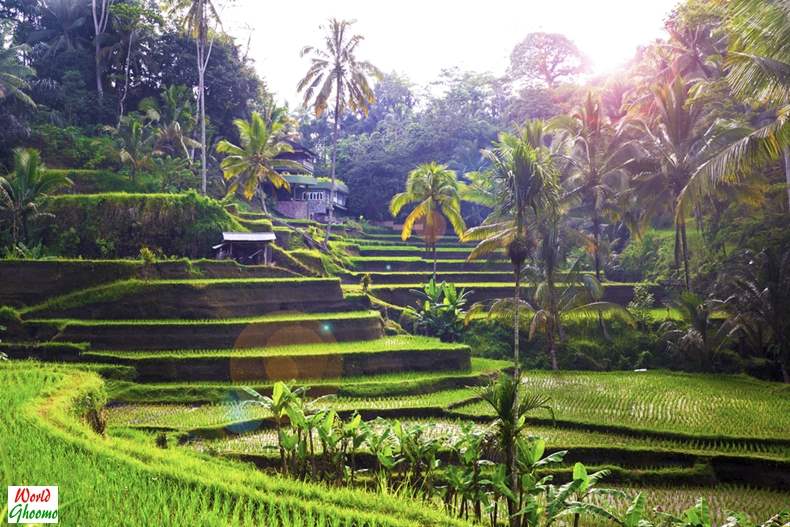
x: 726, y: 405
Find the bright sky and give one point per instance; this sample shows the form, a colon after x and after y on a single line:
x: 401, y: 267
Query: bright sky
x: 418, y: 38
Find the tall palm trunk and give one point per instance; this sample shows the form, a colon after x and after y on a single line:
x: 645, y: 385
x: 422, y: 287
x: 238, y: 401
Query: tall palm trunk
x: 786, y: 152
x: 433, y: 249
x: 101, y: 15
x: 516, y: 307
x: 510, y: 460
x: 122, y: 101
x: 202, y: 55
x: 685, y: 253
x: 202, y: 103
x: 553, y: 320
x: 597, y: 247
x: 97, y: 49
x: 335, y: 130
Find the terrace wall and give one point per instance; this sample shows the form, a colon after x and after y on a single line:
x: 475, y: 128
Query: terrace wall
x: 300, y: 366
x: 28, y: 282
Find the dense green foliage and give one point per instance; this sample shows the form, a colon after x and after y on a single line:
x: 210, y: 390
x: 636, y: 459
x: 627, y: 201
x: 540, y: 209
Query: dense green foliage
x: 119, y: 225
x: 48, y: 407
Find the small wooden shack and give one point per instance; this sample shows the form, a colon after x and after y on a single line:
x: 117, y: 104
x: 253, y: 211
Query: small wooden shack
x: 248, y: 248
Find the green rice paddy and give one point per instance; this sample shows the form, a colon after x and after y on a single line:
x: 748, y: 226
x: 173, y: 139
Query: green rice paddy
x: 696, y: 404
x: 386, y: 344
x: 288, y: 316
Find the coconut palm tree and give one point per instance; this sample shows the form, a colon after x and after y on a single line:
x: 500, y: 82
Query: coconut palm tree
x: 255, y: 162
x: 135, y: 144
x: 13, y: 74
x: 507, y: 397
x: 21, y: 191
x: 695, y: 335
x: 62, y: 23
x: 758, y: 289
x: 553, y: 304
x: 336, y: 77
x: 758, y: 69
x: 678, y: 137
x: 600, y: 154
x: 195, y: 18
x: 435, y: 189
x: 175, y: 119
x: 525, y: 183
x: 579, y: 298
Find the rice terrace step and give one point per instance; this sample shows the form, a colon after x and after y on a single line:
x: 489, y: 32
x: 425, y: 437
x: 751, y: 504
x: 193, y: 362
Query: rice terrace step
x: 195, y: 299
x: 253, y: 332
x: 322, y: 360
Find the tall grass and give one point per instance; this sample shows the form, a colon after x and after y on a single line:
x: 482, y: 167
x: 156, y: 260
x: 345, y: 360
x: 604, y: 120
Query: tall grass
x: 121, y: 481
x: 702, y: 404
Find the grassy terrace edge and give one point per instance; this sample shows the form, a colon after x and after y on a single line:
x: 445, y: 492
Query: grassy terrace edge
x: 46, y: 404
x: 118, y: 289
x: 285, y: 317
x: 123, y: 391
x: 382, y: 345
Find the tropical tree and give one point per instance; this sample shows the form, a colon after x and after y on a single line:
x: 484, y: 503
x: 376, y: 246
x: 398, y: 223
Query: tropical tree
x: 546, y: 57
x: 600, y: 155
x: 135, y: 144
x: 13, y: 74
x: 758, y: 69
x: 758, y: 289
x: 435, y: 189
x: 100, y: 10
x: 677, y: 136
x: 175, y: 118
x: 524, y: 182
x: 256, y: 161
x: 132, y: 21
x: 578, y: 298
x: 62, y: 23
x: 695, y: 335
x: 196, y: 17
x: 510, y: 402
x: 21, y: 191
x: 336, y: 77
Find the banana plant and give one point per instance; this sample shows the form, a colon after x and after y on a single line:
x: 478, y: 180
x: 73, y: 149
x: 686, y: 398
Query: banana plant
x: 419, y: 453
x: 498, y: 482
x: 388, y: 462
x: 380, y: 445
x: 470, y: 453
x: 282, y: 397
x: 634, y: 515
x: 529, y: 458
x: 353, y: 436
x: 588, y: 487
x: 440, y: 310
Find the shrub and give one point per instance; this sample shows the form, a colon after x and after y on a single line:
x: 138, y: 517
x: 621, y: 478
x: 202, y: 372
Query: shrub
x: 640, y: 305
x: 175, y: 224
x: 365, y: 282
x: 647, y: 259
x: 70, y: 147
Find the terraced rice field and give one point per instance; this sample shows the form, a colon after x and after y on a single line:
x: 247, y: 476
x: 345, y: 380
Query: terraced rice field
x: 402, y: 383
x: 396, y: 343
x: 125, y: 480
x: 186, y: 417
x: 734, y: 406
x: 449, y: 431
x: 758, y: 504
